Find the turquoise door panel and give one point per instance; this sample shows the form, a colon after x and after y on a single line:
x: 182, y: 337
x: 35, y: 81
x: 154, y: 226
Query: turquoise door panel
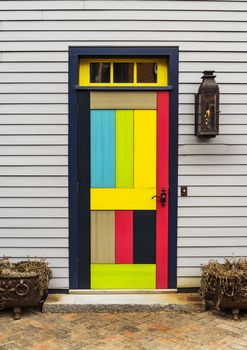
x: 103, y: 148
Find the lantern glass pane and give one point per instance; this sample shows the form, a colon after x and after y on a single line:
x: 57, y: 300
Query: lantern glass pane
x: 208, y: 112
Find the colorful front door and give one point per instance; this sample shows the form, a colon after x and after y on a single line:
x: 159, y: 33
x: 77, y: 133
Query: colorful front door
x: 123, y: 178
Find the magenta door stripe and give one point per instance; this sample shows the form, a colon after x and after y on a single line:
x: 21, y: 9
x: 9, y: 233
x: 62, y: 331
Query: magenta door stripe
x: 124, y: 236
x: 162, y: 182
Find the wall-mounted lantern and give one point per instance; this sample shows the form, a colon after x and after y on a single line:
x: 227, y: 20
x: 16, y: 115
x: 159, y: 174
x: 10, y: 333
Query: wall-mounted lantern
x: 207, y: 106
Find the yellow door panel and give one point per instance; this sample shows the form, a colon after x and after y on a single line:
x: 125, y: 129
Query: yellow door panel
x: 123, y: 199
x: 144, y: 148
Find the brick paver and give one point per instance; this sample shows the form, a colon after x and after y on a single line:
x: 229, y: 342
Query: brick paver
x: 133, y: 331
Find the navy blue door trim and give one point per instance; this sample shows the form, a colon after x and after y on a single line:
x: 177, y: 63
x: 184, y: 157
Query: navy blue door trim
x: 83, y: 189
x: 171, y: 53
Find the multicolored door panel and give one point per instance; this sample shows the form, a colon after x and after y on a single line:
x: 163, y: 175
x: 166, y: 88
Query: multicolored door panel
x: 127, y: 191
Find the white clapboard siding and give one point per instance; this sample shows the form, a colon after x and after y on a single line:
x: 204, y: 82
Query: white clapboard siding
x: 211, y: 149
x: 29, y: 56
x: 102, y: 33
x: 212, y: 159
x: 212, y: 211
x: 31, y: 77
x: 33, y: 222
x: 15, y: 88
x: 123, y: 25
x: 179, y: 15
x: 35, y: 37
x: 32, y: 192
x: 32, y: 181
x: 236, y: 231
x: 41, y: 108
x: 214, y: 56
x: 213, y: 169
x: 34, y: 160
x: 33, y: 67
x: 211, y: 221
x: 34, y: 98
x: 21, y: 15
x: 42, y: 5
x: 33, y: 119
x: 132, y: 40
x: 169, y: 5
x: 33, y: 212
x: 60, y: 273
x: 26, y: 232
x: 39, y: 242
x: 33, y: 203
x: 24, y: 170
x: 33, y: 139
x: 131, y: 5
x: 218, y: 200
x: 213, y: 242
x: 212, y: 252
x: 187, y: 282
x: 33, y: 150
x: 189, y: 271
x: 59, y: 283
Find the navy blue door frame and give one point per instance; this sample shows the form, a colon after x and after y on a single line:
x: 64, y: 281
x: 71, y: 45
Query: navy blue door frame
x: 76, y: 257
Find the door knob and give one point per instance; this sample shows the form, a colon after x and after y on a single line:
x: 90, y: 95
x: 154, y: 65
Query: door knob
x: 162, y: 197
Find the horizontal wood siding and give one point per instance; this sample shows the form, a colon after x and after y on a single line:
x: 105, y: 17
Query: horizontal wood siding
x: 35, y: 36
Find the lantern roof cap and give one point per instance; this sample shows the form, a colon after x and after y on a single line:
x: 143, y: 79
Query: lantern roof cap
x: 208, y: 74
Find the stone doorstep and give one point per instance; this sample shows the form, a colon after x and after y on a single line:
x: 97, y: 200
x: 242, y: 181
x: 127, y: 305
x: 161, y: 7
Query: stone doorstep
x: 184, y: 302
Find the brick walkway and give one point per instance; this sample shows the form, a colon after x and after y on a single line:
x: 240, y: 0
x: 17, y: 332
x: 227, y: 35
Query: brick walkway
x: 132, y: 331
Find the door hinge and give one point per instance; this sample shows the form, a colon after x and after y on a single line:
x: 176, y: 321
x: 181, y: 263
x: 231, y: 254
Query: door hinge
x: 78, y: 264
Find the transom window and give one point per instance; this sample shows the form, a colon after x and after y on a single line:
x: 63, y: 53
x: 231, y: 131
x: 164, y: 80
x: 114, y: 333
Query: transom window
x: 123, y: 72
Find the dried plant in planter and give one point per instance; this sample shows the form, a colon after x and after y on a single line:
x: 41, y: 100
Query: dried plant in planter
x: 23, y: 284
x: 222, y: 281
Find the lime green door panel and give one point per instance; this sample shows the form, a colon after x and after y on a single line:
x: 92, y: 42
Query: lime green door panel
x: 123, y: 276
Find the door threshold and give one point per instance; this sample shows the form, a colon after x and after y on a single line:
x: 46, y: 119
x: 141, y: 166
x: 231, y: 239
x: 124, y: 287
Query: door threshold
x: 121, y: 291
